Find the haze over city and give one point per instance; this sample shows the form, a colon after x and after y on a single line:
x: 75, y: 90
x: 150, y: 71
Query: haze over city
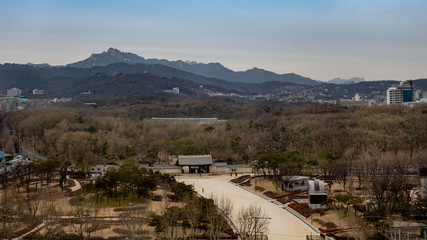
x: 376, y: 40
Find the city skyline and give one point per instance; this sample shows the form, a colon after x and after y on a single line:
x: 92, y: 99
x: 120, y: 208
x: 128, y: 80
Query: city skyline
x: 376, y: 40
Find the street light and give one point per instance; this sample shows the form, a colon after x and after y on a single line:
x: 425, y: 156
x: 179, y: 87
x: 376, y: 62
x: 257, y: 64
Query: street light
x: 87, y: 215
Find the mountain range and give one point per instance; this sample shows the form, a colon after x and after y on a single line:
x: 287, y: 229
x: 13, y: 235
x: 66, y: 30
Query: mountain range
x: 209, y: 70
x: 115, y: 74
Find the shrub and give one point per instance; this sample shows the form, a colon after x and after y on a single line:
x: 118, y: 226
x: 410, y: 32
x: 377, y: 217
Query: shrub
x: 297, y: 208
x: 270, y: 194
x: 79, y: 174
x: 259, y: 188
x: 181, y: 190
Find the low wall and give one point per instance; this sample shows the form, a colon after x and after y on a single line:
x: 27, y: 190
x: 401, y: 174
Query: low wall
x: 240, y: 169
x: 222, y: 169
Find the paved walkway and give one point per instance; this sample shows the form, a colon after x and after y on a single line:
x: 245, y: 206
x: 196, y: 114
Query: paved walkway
x: 76, y: 186
x: 41, y: 225
x: 283, y: 225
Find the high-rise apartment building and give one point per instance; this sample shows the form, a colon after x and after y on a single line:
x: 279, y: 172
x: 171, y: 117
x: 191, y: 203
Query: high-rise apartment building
x: 401, y: 93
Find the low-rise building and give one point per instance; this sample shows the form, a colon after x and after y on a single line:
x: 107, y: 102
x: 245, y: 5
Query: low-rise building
x: 100, y: 169
x: 9, y: 104
x: 352, y: 103
x: 316, y: 194
x: 174, y: 90
x: 38, y: 92
x: 295, y: 183
x: 4, y: 157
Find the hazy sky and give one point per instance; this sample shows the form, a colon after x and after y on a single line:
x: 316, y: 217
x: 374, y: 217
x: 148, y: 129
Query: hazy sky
x: 324, y: 39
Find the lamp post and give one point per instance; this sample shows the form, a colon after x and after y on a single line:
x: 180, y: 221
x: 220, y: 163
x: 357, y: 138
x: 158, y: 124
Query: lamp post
x: 87, y: 215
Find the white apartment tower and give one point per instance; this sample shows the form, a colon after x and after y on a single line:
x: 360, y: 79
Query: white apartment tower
x: 394, y: 96
x: 14, y: 92
x: 401, y: 93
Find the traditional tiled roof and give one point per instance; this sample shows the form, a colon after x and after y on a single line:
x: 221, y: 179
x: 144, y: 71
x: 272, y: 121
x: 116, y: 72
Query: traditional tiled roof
x: 197, y: 121
x: 194, y: 160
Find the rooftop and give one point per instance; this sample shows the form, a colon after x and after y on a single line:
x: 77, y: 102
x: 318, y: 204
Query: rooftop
x: 2, y: 154
x: 295, y: 178
x: 194, y: 160
x: 198, y: 121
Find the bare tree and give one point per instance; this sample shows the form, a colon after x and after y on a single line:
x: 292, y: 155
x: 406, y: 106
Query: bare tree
x: 133, y: 223
x: 9, y: 221
x: 252, y: 221
x: 287, y: 171
x: 328, y: 165
x: 378, y: 187
x: 343, y: 171
x: 217, y: 224
x: 86, y: 221
x: 51, y: 217
x: 192, y: 215
x: 172, y: 220
x: 33, y: 203
x: 225, y: 205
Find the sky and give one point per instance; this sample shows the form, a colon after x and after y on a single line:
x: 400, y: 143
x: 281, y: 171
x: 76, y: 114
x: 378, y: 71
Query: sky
x: 372, y: 39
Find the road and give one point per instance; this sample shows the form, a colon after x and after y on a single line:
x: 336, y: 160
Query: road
x: 283, y: 225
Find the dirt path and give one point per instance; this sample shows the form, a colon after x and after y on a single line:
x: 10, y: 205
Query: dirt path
x: 283, y: 225
x: 41, y: 225
x: 76, y: 186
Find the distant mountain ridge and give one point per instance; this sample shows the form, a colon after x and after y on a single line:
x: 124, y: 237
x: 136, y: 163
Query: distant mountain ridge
x: 106, y: 58
x: 149, y: 80
x: 346, y: 81
x: 114, y: 80
x: 39, y: 65
x: 209, y: 70
x: 28, y: 77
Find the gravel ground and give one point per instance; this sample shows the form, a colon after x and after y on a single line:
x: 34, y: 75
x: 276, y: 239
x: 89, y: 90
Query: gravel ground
x: 283, y: 225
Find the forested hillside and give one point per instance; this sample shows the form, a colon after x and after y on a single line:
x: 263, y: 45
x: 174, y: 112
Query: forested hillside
x: 356, y: 133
